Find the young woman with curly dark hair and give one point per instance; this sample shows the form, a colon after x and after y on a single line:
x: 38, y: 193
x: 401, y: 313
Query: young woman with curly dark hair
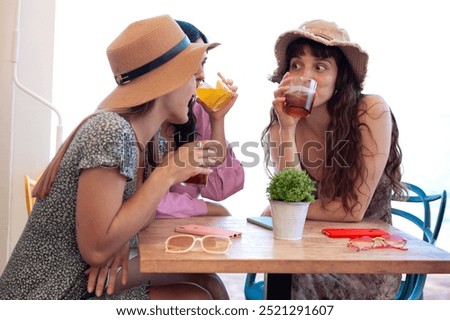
x: 348, y: 145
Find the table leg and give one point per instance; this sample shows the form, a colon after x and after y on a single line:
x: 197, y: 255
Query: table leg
x: 278, y: 286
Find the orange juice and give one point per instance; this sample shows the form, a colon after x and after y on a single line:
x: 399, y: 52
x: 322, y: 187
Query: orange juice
x: 214, y: 98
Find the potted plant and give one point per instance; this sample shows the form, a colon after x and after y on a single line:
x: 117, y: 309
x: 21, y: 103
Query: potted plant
x: 290, y: 192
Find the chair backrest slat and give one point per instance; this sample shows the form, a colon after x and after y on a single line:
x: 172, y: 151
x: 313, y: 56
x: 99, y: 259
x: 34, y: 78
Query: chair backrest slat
x: 412, y: 286
x: 29, y: 184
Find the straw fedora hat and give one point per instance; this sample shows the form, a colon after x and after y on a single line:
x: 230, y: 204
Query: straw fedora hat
x: 329, y: 34
x: 149, y: 59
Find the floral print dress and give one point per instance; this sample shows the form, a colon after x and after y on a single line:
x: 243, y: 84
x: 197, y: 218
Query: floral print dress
x: 46, y: 262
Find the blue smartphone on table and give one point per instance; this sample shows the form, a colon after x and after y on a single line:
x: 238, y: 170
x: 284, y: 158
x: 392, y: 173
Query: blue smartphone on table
x: 262, y: 221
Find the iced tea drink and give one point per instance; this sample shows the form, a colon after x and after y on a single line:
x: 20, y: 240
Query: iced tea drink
x: 300, y: 97
x: 200, y: 179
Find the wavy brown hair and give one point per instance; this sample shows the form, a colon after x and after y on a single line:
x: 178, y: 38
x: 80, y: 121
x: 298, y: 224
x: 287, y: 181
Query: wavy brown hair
x: 339, y: 180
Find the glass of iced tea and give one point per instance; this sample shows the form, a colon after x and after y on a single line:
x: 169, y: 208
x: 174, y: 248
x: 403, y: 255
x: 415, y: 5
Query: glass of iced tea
x: 213, y: 98
x: 201, y: 179
x: 300, y: 97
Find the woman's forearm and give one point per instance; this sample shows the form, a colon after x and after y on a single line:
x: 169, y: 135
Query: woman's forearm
x: 218, y: 134
x: 286, y: 153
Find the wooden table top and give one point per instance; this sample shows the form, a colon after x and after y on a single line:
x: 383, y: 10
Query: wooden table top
x: 256, y: 251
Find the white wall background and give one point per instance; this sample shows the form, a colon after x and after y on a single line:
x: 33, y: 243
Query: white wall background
x: 408, y: 66
x: 25, y: 124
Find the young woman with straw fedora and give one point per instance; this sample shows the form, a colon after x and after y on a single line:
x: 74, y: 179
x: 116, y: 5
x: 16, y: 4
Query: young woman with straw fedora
x: 96, y: 194
x: 348, y: 144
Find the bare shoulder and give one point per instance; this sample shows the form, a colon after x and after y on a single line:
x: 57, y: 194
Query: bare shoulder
x: 373, y: 102
x: 373, y: 106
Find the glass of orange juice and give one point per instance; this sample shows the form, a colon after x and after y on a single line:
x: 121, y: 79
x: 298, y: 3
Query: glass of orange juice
x: 213, y: 98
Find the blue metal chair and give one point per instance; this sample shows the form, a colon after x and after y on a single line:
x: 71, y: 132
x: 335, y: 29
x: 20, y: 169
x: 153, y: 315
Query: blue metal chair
x: 253, y: 290
x: 412, y: 286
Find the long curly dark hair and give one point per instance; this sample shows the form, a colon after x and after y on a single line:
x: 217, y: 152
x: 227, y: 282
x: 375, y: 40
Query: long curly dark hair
x: 343, y: 166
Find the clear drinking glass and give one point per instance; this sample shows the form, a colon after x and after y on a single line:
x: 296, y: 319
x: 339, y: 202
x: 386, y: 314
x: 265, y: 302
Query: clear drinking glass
x: 300, y: 97
x: 213, y: 98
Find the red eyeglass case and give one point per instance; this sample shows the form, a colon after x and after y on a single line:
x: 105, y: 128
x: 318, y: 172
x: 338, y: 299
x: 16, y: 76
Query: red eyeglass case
x: 353, y: 232
x: 200, y: 230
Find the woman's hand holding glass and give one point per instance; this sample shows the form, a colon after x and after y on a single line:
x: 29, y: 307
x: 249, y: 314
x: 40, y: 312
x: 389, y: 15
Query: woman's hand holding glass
x: 223, y: 110
x: 286, y: 121
x: 189, y: 160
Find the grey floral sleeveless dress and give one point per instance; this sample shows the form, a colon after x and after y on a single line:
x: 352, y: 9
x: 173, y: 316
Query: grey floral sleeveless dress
x: 353, y: 286
x: 46, y: 262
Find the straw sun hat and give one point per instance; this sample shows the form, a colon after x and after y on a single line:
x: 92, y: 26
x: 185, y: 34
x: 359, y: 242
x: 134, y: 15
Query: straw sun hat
x: 149, y: 59
x: 329, y: 34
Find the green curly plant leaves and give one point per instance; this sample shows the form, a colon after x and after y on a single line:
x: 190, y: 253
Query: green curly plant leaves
x: 291, y: 185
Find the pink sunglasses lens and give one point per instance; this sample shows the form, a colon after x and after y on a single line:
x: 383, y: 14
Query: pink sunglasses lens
x: 395, y: 241
x: 363, y: 243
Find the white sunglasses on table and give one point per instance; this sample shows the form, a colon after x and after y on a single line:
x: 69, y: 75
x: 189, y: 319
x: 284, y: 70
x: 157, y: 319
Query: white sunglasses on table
x: 186, y: 242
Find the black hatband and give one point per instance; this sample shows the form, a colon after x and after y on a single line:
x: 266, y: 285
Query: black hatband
x: 126, y: 77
